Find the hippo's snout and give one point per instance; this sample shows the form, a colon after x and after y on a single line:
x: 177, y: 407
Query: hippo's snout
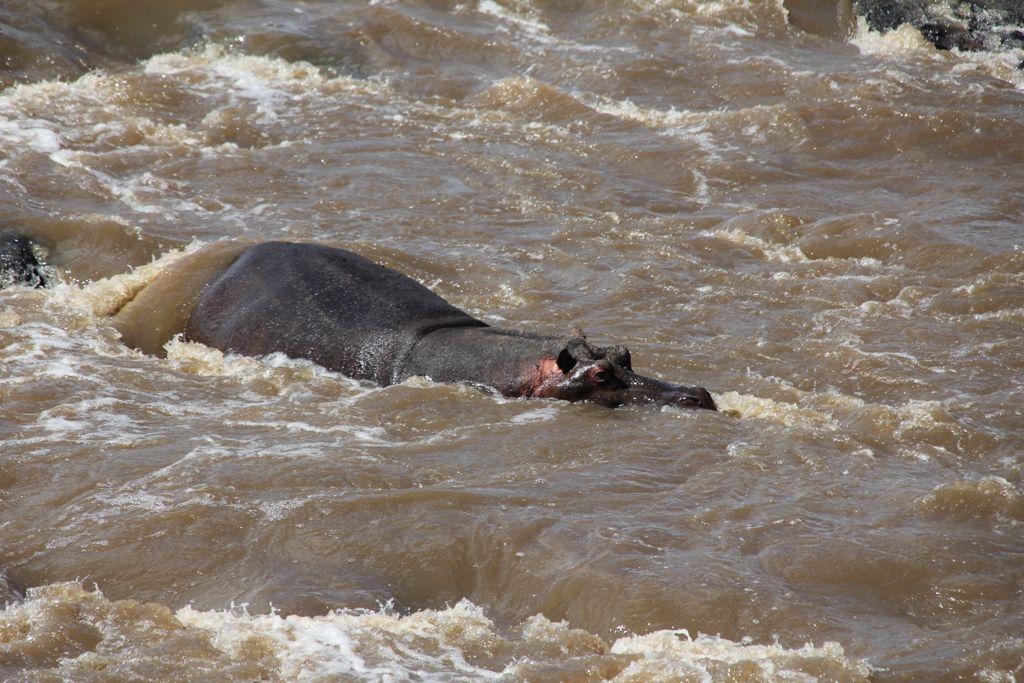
x: 692, y: 397
x: 642, y: 389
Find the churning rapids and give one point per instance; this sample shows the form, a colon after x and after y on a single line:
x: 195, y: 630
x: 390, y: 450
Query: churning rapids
x: 820, y: 222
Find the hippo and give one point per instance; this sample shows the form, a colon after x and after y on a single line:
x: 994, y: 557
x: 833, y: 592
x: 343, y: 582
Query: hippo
x: 352, y: 316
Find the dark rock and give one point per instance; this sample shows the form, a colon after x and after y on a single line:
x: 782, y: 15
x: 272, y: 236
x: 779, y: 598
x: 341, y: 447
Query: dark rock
x: 970, y: 25
x: 18, y: 262
x: 947, y: 37
x: 885, y: 15
x: 10, y: 593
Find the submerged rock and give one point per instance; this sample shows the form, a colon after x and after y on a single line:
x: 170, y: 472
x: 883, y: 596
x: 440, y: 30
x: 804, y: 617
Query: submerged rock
x: 968, y: 26
x: 9, y: 592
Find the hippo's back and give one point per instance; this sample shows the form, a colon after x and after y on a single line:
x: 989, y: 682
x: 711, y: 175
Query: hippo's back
x: 329, y: 305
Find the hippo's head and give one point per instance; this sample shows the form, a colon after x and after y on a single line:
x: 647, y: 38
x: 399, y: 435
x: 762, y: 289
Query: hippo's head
x: 583, y: 372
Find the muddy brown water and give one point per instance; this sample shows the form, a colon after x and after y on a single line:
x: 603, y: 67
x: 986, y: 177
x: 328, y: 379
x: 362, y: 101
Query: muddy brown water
x: 824, y: 228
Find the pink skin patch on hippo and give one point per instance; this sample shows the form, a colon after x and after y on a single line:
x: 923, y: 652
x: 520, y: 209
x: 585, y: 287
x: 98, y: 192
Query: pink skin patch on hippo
x: 541, y: 380
x: 547, y: 380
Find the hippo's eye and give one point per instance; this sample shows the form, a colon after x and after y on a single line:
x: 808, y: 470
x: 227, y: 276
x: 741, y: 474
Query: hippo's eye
x: 600, y: 376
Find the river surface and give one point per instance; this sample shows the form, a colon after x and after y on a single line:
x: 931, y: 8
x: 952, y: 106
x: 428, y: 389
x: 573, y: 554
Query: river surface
x: 825, y: 229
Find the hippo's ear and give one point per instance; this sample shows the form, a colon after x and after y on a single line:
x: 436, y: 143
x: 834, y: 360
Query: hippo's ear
x: 566, y: 361
x: 620, y: 356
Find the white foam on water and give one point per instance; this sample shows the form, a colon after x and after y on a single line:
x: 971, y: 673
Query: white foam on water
x: 545, y: 414
x: 99, y: 416
x: 139, y: 500
x: 60, y: 424
x: 37, y: 343
x: 77, y: 125
x: 689, y: 125
x: 1003, y: 65
x: 675, y: 8
x: 458, y: 643
x: 59, y: 118
x: 290, y: 376
x: 371, y: 435
x: 364, y: 645
x: 106, y: 296
x: 918, y: 414
x: 986, y: 282
x: 531, y: 25
x: 781, y: 412
x: 9, y: 317
x: 538, y: 32
x: 906, y: 43
x: 199, y: 359
x: 785, y: 253
x: 714, y: 132
x: 1004, y: 314
x: 933, y: 429
x: 664, y: 655
x: 32, y: 133
x: 270, y: 82
x: 277, y: 510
